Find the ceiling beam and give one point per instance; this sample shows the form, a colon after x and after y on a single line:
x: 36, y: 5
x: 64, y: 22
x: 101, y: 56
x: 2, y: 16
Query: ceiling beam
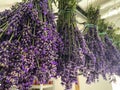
x: 81, y: 11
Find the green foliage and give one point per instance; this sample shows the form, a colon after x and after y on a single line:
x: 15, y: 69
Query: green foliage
x: 102, y: 25
x: 93, y: 14
x: 66, y: 13
x: 115, y: 36
x: 110, y: 30
x: 24, y: 0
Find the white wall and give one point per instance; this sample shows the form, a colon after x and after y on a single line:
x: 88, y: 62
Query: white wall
x: 116, y: 82
x: 6, y: 4
x: 101, y: 85
x: 58, y: 86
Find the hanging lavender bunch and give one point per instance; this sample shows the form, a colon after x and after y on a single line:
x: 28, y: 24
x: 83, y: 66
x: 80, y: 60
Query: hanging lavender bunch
x: 71, y: 55
x: 112, y: 52
x: 98, y: 48
x: 106, y: 54
x: 89, y: 67
x: 29, y: 46
x: 113, y: 57
x: 94, y: 42
x: 76, y: 55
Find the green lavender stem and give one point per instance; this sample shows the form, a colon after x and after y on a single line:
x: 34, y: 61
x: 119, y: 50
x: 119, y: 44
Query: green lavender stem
x: 4, y: 30
x: 1, y: 26
x: 11, y: 37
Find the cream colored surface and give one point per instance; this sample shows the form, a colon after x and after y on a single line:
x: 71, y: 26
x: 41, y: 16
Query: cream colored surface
x: 116, y: 83
x: 6, y: 4
x: 101, y: 85
x: 58, y: 86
